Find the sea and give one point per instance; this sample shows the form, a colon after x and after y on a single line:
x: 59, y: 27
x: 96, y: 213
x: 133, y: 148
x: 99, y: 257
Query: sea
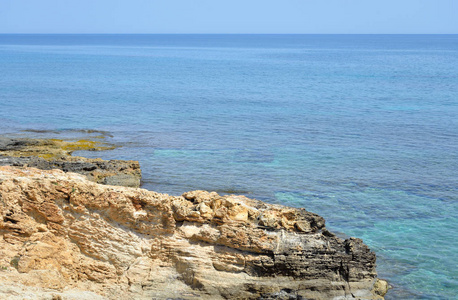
x: 360, y: 129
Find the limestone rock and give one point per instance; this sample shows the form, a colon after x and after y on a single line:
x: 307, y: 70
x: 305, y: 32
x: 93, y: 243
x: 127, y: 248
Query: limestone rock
x: 64, y: 237
x: 48, y: 154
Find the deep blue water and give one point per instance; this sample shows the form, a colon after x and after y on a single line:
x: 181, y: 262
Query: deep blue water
x: 361, y: 129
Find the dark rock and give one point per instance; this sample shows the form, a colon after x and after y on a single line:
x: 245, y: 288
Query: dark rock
x: 55, y: 154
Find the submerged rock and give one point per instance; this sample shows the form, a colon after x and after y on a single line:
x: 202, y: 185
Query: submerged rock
x: 48, y: 154
x: 62, y: 235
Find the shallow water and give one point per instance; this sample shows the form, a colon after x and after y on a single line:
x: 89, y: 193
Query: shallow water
x: 361, y: 129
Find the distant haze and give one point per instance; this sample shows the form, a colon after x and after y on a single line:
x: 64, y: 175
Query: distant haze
x: 235, y: 16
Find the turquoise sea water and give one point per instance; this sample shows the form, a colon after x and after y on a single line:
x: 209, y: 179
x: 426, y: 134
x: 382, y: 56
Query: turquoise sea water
x: 361, y: 129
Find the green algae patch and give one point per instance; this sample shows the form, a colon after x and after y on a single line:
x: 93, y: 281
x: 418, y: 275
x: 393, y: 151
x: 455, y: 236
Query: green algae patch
x: 47, y: 156
x: 84, y: 145
x: 50, y: 149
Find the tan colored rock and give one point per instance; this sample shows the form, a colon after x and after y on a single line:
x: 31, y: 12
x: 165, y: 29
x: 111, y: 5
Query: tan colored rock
x: 381, y: 287
x: 64, y: 237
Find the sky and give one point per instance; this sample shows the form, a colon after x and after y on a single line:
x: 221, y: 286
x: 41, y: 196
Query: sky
x: 235, y: 16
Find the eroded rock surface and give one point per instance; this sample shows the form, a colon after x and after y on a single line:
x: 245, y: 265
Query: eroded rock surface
x: 48, y: 154
x: 64, y: 237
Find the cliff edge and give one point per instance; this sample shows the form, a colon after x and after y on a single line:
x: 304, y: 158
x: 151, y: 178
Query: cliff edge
x: 65, y: 237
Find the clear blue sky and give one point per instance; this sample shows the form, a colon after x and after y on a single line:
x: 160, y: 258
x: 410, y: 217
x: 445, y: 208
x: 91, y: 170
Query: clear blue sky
x: 234, y: 16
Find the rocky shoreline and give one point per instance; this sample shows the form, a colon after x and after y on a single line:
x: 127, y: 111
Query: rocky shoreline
x: 48, y: 154
x: 67, y: 236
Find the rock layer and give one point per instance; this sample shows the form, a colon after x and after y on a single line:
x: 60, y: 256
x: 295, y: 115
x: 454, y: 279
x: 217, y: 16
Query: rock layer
x: 64, y: 237
x: 48, y: 154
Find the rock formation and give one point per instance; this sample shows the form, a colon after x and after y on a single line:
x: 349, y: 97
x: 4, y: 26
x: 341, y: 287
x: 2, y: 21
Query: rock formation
x: 48, y: 154
x: 65, y: 237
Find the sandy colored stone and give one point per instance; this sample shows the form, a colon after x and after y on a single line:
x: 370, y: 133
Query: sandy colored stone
x: 62, y: 235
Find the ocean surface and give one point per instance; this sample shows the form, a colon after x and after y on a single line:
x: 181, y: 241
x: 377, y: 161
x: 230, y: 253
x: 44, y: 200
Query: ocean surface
x: 361, y: 129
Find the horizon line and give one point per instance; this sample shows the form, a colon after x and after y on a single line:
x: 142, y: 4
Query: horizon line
x: 133, y: 33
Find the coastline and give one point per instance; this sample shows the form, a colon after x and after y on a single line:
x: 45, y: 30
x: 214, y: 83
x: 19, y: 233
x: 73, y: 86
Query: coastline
x: 358, y: 129
x: 195, y: 238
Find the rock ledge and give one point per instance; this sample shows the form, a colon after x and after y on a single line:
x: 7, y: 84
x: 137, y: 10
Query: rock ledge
x: 48, y: 154
x: 65, y: 237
